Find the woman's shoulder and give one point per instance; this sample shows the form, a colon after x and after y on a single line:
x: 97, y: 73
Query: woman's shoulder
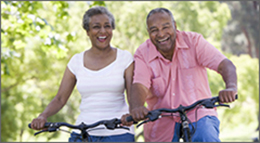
x: 124, y: 53
x: 76, y: 58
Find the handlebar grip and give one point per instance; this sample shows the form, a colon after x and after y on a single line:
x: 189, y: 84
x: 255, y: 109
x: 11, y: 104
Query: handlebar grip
x: 46, y: 125
x: 129, y: 119
x: 236, y: 96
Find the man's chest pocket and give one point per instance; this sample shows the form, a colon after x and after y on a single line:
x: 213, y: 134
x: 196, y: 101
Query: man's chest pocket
x: 158, y: 86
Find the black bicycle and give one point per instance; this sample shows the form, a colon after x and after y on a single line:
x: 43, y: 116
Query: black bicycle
x: 185, y: 130
x: 55, y: 126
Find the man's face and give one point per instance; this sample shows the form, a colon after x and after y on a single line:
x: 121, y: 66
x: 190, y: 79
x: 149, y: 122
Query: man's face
x: 162, y: 31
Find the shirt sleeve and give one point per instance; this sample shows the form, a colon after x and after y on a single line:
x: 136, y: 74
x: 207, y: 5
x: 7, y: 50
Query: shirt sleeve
x: 142, y: 72
x: 207, y: 55
x: 72, y: 64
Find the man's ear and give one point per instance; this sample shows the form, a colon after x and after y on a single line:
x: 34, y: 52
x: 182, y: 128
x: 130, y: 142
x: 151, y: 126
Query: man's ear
x: 175, y: 24
x: 87, y: 32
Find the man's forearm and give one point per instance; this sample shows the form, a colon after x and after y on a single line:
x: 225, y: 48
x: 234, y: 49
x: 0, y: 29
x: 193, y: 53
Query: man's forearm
x: 228, y: 72
x: 138, y: 95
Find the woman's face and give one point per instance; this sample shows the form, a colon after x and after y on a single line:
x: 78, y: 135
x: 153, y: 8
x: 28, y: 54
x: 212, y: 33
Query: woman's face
x: 100, y: 31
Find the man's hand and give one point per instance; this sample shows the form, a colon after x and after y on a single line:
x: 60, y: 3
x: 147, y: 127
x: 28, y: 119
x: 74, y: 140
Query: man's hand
x: 139, y: 113
x: 228, y: 72
x: 227, y: 95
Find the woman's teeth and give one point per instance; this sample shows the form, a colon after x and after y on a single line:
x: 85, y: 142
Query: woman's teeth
x: 102, y: 37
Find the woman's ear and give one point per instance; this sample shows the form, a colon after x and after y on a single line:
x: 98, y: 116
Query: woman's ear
x: 175, y: 25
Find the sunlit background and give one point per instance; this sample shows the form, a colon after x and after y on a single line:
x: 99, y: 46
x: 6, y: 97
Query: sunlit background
x: 39, y: 38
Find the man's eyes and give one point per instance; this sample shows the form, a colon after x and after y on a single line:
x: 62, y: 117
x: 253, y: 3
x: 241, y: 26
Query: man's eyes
x: 153, y: 30
x: 165, y: 27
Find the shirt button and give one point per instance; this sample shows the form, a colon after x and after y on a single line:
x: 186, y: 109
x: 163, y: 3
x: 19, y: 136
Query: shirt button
x: 173, y: 79
x: 173, y: 94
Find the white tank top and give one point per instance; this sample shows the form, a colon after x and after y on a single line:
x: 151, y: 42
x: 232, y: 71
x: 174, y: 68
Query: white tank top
x: 102, y: 92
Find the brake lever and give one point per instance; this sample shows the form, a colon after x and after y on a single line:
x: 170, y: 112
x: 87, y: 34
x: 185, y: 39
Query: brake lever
x: 145, y: 121
x: 46, y: 130
x: 40, y: 132
x: 220, y: 104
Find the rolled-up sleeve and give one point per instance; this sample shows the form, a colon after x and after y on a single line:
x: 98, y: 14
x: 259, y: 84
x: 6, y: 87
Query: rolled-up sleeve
x: 142, y: 72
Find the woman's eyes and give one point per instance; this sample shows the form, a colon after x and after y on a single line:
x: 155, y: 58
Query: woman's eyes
x: 98, y: 27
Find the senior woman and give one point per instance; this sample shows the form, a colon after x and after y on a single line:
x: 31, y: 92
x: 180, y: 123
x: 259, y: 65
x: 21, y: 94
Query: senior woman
x: 102, y: 74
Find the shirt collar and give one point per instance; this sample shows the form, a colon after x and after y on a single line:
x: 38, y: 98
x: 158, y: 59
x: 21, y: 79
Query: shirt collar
x: 153, y: 53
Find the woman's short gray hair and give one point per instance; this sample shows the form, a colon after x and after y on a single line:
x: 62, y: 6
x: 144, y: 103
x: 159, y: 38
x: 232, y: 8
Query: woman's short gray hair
x: 95, y: 11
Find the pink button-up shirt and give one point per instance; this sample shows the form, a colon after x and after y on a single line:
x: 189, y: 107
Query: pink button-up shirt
x: 180, y: 81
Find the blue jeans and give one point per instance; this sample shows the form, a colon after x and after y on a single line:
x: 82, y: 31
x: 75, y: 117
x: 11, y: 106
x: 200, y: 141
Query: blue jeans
x: 127, y: 137
x: 207, y: 130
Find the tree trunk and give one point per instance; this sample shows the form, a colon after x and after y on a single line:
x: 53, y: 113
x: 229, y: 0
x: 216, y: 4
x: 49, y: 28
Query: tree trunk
x: 249, y: 49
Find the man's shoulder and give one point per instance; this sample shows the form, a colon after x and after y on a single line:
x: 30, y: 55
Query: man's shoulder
x: 188, y: 34
x: 145, y: 46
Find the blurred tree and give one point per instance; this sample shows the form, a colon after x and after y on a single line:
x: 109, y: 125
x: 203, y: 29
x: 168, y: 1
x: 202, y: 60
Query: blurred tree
x: 30, y: 44
x: 241, y: 35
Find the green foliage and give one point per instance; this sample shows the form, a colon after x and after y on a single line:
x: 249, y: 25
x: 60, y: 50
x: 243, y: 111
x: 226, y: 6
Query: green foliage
x: 30, y: 44
x: 100, y: 3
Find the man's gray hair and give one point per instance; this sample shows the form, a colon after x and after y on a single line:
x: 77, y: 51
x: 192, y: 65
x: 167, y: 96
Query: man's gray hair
x: 96, y: 11
x: 161, y: 10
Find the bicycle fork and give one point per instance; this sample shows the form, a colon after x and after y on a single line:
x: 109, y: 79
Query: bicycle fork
x: 185, y: 131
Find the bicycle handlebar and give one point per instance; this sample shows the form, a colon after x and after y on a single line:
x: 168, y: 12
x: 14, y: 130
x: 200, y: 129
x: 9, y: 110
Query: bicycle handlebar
x: 156, y: 114
x: 54, y: 126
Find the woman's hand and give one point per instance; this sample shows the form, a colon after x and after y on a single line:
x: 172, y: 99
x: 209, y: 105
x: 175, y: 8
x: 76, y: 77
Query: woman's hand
x: 38, y: 123
x: 124, y: 122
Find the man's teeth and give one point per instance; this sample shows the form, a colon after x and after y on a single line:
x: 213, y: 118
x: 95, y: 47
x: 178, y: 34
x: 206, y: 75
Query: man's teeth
x: 102, y: 37
x: 163, y: 39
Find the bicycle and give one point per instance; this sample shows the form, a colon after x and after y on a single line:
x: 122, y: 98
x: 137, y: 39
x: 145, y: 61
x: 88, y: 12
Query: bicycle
x: 55, y: 126
x: 185, y: 130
